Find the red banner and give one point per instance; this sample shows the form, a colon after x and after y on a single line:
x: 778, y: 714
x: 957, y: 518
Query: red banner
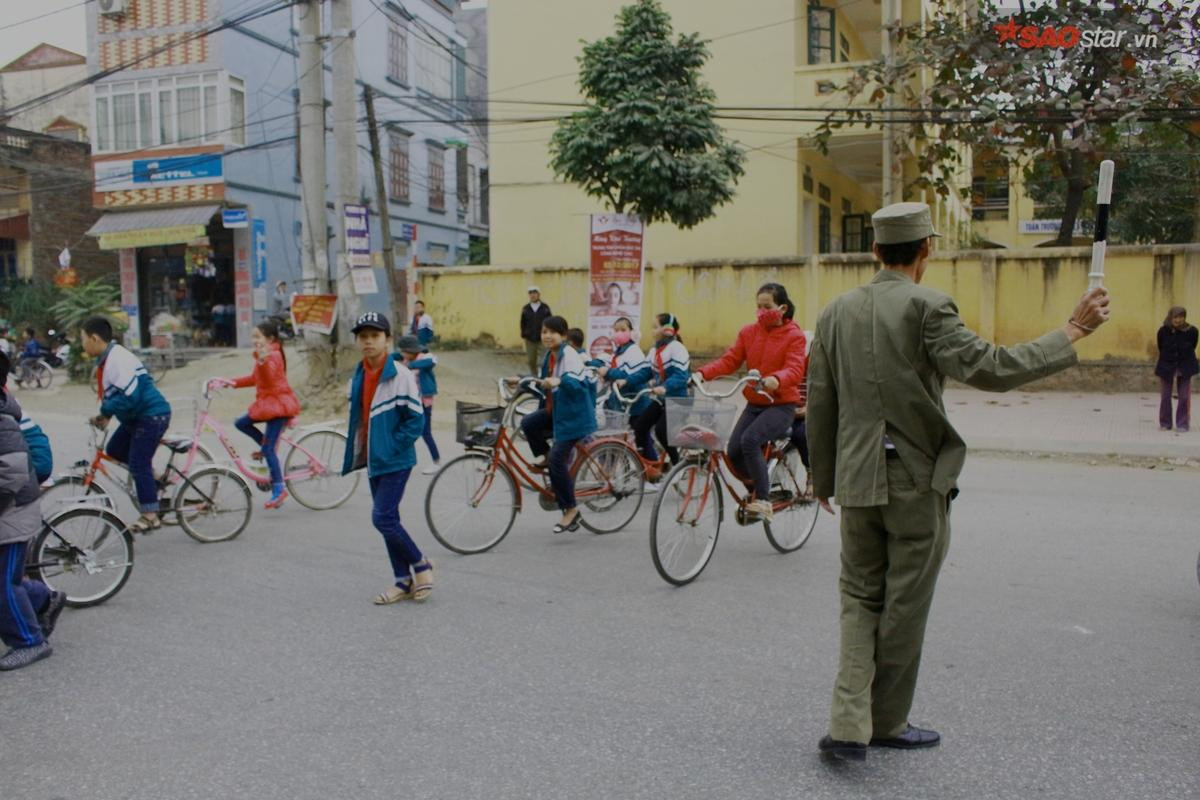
x: 615, y: 277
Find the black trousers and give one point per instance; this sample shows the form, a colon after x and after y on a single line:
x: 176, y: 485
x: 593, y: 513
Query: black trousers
x: 653, y: 419
x: 757, y: 426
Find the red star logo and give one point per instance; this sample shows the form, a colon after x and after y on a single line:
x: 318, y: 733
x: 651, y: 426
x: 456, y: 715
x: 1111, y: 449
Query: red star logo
x: 1007, y: 31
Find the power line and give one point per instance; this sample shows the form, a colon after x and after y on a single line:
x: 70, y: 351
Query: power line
x: 19, y: 23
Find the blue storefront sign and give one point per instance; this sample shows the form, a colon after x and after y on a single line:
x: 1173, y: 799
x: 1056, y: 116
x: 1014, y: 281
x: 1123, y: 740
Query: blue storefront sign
x: 235, y: 218
x: 259, y: 232
x: 408, y: 231
x: 200, y: 168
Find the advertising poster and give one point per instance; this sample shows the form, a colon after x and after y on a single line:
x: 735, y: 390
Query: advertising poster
x: 317, y: 312
x: 615, y: 278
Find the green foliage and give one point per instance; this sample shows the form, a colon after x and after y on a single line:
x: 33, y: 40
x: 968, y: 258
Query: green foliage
x: 98, y: 297
x: 646, y: 142
x: 480, y: 251
x: 28, y: 304
x: 1156, y: 189
x: 1060, y: 105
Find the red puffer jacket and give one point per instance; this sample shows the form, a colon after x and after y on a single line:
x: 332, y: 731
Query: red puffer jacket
x: 274, y: 398
x: 777, y: 352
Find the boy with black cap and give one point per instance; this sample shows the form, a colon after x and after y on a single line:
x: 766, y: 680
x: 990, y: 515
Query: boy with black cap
x: 386, y: 419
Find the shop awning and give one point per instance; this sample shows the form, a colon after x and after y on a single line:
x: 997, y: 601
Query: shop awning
x: 150, y: 227
x: 14, y: 225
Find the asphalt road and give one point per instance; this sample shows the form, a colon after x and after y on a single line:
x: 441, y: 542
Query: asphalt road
x: 1063, y: 661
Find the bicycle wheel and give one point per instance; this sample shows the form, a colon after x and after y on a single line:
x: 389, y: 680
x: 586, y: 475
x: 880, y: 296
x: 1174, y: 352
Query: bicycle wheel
x: 471, y: 504
x: 212, y: 504
x: 85, y: 552
x: 321, y: 452
x: 41, y: 374
x: 795, y: 521
x: 609, y: 483
x: 68, y: 490
x: 156, y: 365
x: 686, y: 522
x: 525, y: 406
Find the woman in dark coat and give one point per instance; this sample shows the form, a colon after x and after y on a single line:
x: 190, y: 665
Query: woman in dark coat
x: 1176, y: 365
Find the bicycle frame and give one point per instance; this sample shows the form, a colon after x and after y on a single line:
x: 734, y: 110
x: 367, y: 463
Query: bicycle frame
x: 171, y: 476
x: 205, y: 420
x: 627, y: 435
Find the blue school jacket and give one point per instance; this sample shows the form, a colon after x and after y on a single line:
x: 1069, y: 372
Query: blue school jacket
x: 39, y: 448
x: 397, y: 420
x: 127, y: 390
x: 574, y: 400
x: 423, y: 368
x: 671, y: 362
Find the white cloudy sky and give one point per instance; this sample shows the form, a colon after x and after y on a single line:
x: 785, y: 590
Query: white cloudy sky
x: 66, y: 28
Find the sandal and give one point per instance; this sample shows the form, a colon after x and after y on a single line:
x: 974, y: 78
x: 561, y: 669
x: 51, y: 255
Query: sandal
x: 394, y: 595
x: 422, y: 581
x: 145, y: 524
x: 571, y: 527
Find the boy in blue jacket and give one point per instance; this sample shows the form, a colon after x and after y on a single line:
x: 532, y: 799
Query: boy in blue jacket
x: 128, y: 393
x: 386, y: 419
x: 568, y: 413
x: 417, y: 358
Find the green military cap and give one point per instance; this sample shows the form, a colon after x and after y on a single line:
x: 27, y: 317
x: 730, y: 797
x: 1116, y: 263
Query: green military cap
x: 903, y: 222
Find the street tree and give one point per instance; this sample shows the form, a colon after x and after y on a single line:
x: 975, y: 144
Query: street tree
x: 1029, y: 86
x: 646, y: 142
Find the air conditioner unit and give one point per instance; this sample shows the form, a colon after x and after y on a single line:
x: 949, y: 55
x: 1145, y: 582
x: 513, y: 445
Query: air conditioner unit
x: 112, y: 8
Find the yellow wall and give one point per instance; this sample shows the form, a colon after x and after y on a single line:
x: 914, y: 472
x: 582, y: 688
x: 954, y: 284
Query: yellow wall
x: 1008, y: 296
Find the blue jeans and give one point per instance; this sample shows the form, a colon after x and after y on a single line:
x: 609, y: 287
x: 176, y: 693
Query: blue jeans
x: 427, y: 434
x: 134, y: 444
x: 20, y: 599
x: 267, y: 444
x: 387, y: 491
x: 538, y: 428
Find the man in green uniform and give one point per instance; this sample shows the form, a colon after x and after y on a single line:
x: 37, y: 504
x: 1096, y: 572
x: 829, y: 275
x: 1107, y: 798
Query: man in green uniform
x: 880, y: 442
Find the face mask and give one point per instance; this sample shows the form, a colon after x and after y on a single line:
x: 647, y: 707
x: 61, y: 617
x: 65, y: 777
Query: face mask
x: 622, y: 338
x: 769, y: 317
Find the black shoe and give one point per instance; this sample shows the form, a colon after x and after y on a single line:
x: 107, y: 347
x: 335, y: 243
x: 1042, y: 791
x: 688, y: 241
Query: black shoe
x: 24, y: 656
x: 834, y: 750
x: 911, y: 739
x: 574, y: 526
x: 49, y: 618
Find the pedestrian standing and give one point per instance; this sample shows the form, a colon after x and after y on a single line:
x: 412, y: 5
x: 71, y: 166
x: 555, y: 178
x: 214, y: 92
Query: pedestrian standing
x: 128, y: 393
x: 1176, y: 365
x: 533, y: 314
x: 567, y: 413
x: 880, y: 442
x: 386, y: 419
x: 423, y: 363
x: 28, y: 609
x: 422, y: 324
x: 275, y: 404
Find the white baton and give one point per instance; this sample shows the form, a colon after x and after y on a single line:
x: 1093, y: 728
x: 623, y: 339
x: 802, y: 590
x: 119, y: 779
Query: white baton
x: 1100, y: 240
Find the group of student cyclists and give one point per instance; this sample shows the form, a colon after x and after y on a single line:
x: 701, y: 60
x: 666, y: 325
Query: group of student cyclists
x: 774, y: 345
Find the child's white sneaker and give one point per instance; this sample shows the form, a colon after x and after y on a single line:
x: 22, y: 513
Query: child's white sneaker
x: 432, y: 469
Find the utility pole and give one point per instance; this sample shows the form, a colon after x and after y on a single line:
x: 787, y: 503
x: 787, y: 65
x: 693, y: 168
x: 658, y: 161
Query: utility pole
x: 312, y: 149
x: 890, y: 161
x: 345, y: 136
x: 397, y: 281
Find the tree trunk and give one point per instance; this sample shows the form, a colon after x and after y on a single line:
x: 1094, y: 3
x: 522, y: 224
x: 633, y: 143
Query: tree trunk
x: 1076, y: 185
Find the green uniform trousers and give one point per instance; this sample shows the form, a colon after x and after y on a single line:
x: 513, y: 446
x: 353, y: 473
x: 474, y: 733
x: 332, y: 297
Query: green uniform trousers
x: 531, y: 355
x: 890, y: 560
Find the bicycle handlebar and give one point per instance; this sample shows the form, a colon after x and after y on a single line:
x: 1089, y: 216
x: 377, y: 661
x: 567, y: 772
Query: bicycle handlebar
x: 752, y: 377
x: 629, y: 401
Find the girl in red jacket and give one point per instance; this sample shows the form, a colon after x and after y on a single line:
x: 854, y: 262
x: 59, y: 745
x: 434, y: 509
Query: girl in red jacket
x: 274, y: 403
x: 775, y: 347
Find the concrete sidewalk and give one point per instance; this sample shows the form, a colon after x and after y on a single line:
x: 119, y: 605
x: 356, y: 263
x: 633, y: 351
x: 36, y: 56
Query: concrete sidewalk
x: 1067, y: 422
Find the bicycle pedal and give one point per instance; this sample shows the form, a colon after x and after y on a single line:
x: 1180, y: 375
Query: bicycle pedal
x: 263, y: 487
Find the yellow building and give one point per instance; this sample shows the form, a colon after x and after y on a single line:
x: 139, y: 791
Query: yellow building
x: 784, y: 54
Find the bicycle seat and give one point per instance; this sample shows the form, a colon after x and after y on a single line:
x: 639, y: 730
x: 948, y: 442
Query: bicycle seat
x: 696, y: 436
x: 177, y: 444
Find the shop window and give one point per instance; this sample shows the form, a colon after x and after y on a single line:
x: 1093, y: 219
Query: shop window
x: 820, y: 34
x: 186, y: 109
x: 398, y: 188
x: 436, y: 177
x: 398, y: 53
x: 824, y: 228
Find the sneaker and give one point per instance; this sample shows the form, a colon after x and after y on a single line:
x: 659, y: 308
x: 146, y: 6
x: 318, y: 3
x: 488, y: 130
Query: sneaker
x: 761, y: 509
x: 432, y: 469
x: 649, y: 488
x: 276, y: 499
x: 24, y: 656
x: 49, y: 618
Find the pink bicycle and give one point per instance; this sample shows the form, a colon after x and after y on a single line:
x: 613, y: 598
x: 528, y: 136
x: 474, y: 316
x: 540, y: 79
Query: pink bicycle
x: 312, y: 469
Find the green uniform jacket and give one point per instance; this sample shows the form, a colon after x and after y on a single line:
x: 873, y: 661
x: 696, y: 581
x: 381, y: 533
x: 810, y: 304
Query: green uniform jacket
x: 879, y: 361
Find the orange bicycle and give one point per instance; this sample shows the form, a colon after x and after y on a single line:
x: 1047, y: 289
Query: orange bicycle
x: 690, y: 506
x: 614, y: 424
x: 473, y: 500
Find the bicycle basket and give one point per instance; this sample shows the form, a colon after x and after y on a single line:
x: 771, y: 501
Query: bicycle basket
x: 184, y: 411
x: 611, y: 423
x: 700, y: 423
x: 476, y: 425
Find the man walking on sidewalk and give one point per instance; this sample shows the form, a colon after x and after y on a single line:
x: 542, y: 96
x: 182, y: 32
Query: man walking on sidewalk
x: 880, y: 442
x: 533, y: 314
